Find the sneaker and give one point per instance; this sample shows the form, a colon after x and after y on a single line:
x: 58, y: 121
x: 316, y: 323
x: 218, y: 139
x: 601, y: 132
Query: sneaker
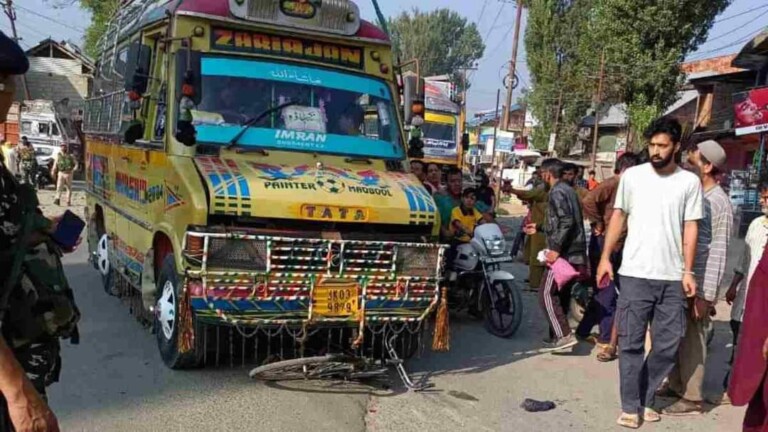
x: 563, y: 343
x: 683, y: 407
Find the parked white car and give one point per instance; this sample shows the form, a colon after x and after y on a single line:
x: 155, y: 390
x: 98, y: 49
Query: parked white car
x: 44, y: 153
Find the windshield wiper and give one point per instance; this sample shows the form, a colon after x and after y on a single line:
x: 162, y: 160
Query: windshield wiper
x: 363, y: 160
x: 253, y: 121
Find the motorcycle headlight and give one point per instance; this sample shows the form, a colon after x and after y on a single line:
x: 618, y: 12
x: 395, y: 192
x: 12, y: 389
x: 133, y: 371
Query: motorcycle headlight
x: 495, y: 246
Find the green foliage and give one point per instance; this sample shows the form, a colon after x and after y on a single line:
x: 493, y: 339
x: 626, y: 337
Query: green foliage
x: 101, y: 11
x: 641, y: 115
x: 442, y: 40
x: 552, y: 41
x: 644, y: 44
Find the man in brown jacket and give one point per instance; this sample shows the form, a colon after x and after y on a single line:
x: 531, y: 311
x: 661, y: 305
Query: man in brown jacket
x: 598, y: 207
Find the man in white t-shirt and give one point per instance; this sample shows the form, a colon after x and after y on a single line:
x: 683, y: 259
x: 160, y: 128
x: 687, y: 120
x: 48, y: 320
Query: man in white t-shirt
x: 661, y: 204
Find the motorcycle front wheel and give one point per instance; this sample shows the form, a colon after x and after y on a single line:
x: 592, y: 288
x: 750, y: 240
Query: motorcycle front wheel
x: 502, y: 308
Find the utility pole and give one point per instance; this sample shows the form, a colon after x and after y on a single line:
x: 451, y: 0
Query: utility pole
x: 463, y: 107
x: 513, y: 63
x: 8, y: 7
x: 493, y: 153
x: 557, y: 115
x: 598, y: 99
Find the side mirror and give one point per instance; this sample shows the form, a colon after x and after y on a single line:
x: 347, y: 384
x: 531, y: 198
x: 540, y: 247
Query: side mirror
x: 465, y: 140
x: 185, y: 133
x: 134, y: 132
x: 416, y: 148
x: 137, y: 68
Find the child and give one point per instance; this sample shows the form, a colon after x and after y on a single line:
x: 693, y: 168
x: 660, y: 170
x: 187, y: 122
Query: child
x: 465, y: 217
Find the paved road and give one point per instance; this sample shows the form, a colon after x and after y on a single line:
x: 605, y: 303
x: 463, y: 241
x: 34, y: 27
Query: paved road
x: 115, y: 381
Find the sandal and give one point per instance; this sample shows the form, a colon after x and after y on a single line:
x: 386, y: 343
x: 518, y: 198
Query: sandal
x: 650, y: 415
x: 607, y: 354
x: 631, y: 421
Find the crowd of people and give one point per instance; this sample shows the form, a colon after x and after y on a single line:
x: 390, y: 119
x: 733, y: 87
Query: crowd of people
x: 21, y: 162
x: 655, y: 257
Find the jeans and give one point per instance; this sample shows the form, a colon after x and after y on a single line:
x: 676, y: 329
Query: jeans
x: 663, y: 305
x: 602, y: 307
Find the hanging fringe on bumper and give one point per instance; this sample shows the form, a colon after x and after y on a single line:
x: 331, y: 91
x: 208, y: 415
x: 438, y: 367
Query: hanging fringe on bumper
x: 186, y: 328
x: 441, y: 340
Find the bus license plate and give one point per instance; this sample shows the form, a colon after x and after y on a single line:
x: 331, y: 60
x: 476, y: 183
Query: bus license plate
x: 501, y: 259
x: 335, y: 300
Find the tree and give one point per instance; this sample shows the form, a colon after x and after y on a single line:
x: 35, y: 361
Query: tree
x: 552, y: 40
x: 442, y: 40
x: 644, y: 44
x: 101, y: 11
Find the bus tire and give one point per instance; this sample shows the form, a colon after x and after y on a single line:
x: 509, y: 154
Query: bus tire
x: 169, y: 292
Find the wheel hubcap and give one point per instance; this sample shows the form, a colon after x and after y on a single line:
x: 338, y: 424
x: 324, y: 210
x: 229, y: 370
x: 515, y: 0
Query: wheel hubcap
x: 166, y: 307
x: 102, y: 255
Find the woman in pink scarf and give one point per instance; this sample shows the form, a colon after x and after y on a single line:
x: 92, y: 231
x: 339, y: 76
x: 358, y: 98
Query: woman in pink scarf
x: 749, y: 382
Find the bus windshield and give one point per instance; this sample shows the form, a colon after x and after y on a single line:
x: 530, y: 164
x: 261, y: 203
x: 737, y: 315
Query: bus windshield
x: 439, y: 139
x: 439, y: 131
x: 330, y: 112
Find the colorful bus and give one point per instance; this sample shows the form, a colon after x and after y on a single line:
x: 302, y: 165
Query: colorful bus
x: 246, y: 174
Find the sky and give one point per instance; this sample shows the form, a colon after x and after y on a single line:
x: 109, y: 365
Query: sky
x: 37, y: 20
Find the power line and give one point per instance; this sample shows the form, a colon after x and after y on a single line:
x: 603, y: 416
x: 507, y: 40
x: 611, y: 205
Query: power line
x: 741, y: 27
x: 738, y: 42
x: 34, y: 31
x: 51, y: 19
x: 739, y: 14
x: 482, y: 12
x: 495, y: 20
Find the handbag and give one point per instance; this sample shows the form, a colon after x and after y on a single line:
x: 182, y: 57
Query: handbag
x: 563, y: 272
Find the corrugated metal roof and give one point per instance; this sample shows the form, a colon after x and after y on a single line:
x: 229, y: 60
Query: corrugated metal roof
x: 486, y: 116
x: 615, y: 115
x: 684, y: 98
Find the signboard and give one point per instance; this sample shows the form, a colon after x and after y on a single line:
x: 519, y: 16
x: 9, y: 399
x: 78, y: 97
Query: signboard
x: 437, y: 97
x: 283, y: 46
x: 750, y: 111
x: 439, y: 148
x: 551, y: 145
x: 504, y: 141
x: 521, y: 143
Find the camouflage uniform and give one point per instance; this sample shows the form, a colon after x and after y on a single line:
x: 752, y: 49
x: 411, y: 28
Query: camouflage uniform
x: 40, y: 308
x: 27, y: 164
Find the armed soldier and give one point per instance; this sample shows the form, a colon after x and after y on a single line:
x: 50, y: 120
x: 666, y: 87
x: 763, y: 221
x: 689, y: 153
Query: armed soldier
x: 36, y: 304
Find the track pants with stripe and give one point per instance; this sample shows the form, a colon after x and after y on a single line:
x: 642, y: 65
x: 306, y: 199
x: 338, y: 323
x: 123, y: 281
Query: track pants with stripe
x: 555, y: 302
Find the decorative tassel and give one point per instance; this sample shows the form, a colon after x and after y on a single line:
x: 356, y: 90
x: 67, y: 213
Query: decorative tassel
x: 186, y: 329
x: 441, y: 340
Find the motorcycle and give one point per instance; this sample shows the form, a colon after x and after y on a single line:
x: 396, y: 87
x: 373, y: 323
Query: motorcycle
x: 477, y: 283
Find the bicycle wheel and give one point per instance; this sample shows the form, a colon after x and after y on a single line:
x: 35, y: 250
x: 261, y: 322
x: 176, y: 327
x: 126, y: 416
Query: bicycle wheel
x: 294, y: 369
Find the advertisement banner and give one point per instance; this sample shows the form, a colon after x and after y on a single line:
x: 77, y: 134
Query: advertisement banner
x: 505, y: 141
x: 750, y: 111
x: 437, y: 97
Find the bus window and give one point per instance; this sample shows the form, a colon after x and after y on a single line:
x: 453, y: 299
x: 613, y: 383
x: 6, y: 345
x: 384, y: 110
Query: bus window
x: 44, y: 129
x: 54, y: 129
